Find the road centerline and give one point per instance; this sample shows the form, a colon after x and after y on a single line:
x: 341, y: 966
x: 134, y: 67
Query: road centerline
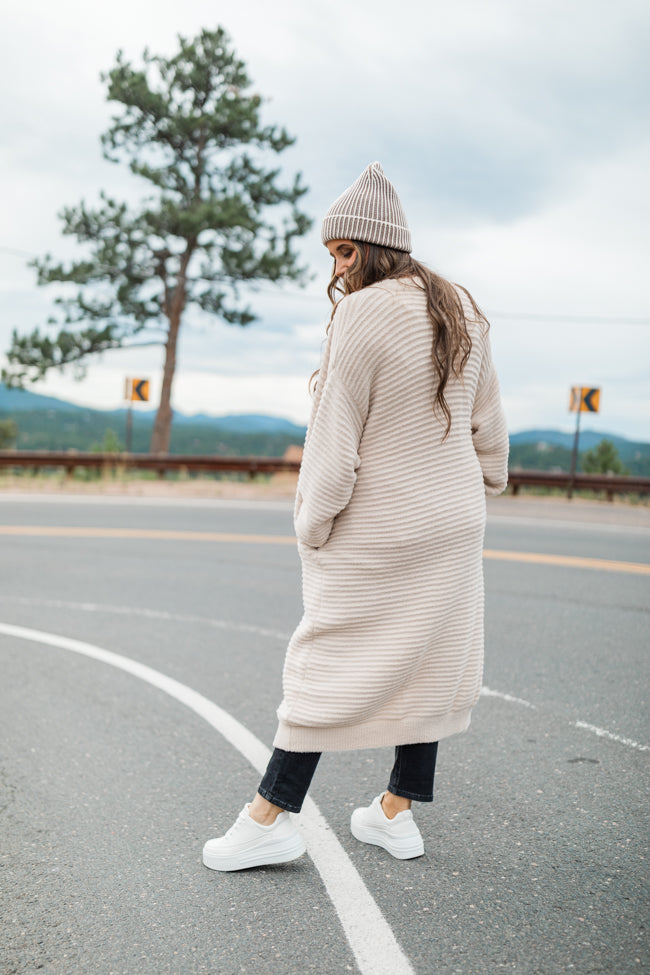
x: 162, y: 534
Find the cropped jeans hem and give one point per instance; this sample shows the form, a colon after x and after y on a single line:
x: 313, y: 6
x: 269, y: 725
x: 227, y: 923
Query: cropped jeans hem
x: 409, y: 795
x: 289, y: 774
x: 287, y: 778
x: 278, y: 801
x: 413, y: 771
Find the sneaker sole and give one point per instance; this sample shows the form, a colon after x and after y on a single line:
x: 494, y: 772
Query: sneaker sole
x: 281, y: 853
x: 402, y: 849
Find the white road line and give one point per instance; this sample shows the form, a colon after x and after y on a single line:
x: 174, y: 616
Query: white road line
x: 487, y: 692
x: 568, y: 526
x: 602, y: 733
x: 152, y: 614
x: 277, y: 635
x: 276, y: 504
x: 373, y: 943
x: 279, y: 504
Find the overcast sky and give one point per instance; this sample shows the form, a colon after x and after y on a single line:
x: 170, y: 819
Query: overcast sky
x: 516, y: 134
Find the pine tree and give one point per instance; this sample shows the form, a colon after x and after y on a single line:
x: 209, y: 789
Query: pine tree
x: 603, y: 459
x: 8, y: 434
x: 191, y: 128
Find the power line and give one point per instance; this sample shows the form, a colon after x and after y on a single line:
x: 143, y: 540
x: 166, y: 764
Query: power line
x: 17, y: 253
x: 578, y: 319
x: 521, y: 316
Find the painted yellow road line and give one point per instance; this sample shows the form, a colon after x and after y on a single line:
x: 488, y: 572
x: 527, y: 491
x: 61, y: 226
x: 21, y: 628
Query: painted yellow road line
x: 162, y: 534
x: 568, y: 561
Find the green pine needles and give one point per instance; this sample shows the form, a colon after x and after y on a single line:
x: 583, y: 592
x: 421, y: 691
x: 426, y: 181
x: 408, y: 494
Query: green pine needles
x: 216, y: 217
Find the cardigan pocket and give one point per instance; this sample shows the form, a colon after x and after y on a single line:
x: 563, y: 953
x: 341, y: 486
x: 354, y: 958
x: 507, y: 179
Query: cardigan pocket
x: 305, y: 550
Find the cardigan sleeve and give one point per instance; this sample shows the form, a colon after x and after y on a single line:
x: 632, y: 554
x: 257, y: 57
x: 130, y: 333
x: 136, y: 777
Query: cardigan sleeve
x: 330, y: 460
x: 489, y: 429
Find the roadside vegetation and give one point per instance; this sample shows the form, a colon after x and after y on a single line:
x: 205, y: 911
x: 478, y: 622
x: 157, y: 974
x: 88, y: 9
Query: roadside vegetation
x: 605, y: 458
x: 87, y: 430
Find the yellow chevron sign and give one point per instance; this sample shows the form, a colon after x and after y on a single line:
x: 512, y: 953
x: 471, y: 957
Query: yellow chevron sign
x: 137, y: 390
x: 584, y: 399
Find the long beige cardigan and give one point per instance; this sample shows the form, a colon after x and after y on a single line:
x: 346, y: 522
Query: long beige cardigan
x: 390, y: 521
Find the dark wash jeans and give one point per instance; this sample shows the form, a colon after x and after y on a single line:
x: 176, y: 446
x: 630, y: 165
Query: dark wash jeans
x: 288, y: 775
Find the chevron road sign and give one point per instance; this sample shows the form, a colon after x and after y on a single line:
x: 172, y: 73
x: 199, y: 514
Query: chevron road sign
x: 584, y: 399
x: 135, y: 390
x: 140, y: 390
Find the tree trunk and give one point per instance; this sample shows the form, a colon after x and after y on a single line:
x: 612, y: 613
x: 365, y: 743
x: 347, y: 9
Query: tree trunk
x: 162, y: 427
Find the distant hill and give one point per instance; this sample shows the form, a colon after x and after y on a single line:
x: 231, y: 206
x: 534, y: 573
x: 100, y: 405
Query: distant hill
x: 23, y: 400
x: 47, y: 423
x: 244, y: 423
x: 588, y: 438
x: 19, y: 400
x: 551, y: 450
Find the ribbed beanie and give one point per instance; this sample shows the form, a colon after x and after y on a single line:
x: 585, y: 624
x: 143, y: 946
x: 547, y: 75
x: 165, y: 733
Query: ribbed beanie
x: 369, y: 210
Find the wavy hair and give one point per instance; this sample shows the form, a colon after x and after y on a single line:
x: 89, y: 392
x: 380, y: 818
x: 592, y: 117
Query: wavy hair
x: 451, y: 344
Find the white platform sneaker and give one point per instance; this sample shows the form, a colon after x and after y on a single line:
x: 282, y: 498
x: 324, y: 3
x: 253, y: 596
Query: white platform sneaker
x: 399, y: 836
x: 249, y: 844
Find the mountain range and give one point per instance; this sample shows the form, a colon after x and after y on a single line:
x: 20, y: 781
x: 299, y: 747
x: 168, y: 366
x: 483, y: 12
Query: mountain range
x: 588, y: 439
x: 48, y: 423
x: 19, y: 401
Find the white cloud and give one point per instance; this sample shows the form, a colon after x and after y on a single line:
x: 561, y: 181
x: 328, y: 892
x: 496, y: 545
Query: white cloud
x: 584, y: 254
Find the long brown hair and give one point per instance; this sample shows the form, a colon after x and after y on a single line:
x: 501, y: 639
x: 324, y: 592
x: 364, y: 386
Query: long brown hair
x: 451, y: 343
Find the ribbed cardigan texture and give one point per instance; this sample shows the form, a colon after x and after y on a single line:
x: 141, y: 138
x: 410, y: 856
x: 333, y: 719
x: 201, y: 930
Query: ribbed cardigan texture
x: 390, y: 521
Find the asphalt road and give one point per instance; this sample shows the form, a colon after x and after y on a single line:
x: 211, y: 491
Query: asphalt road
x: 536, y: 844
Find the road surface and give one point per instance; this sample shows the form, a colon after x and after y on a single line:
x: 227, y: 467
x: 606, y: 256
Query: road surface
x: 114, y: 769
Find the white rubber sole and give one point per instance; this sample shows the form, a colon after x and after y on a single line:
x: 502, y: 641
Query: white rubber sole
x: 400, y: 847
x: 258, y: 856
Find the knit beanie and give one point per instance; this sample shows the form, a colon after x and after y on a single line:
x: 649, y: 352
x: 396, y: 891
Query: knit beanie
x: 369, y: 210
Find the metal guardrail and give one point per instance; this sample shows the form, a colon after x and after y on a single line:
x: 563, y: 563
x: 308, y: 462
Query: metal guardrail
x: 160, y: 463
x: 611, y: 484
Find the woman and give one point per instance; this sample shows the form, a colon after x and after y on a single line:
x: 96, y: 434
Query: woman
x: 406, y: 436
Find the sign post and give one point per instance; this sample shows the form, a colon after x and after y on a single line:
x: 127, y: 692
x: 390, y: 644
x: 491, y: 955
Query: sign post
x: 134, y: 389
x: 583, y: 400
